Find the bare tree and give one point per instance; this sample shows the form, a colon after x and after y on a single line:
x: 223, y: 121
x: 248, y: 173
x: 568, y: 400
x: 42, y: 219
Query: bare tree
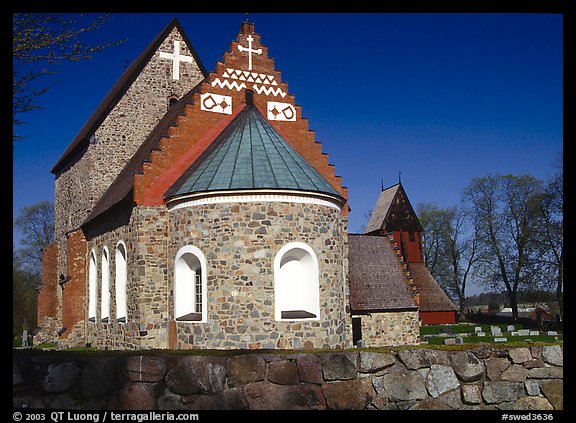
x: 36, y: 224
x: 504, y: 213
x: 550, y: 241
x: 450, y: 249
x: 39, y: 42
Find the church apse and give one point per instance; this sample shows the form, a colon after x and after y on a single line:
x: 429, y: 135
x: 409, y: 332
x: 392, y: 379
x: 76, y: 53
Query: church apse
x: 241, y: 242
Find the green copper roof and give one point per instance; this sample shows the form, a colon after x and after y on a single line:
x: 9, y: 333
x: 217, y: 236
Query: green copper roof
x: 250, y: 154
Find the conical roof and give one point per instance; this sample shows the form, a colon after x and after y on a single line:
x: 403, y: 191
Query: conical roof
x: 250, y: 154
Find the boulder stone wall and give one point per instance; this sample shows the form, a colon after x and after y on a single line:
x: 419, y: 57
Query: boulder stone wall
x: 486, y: 378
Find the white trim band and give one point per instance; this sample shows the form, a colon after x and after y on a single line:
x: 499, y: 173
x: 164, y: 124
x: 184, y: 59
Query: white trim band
x: 251, y: 198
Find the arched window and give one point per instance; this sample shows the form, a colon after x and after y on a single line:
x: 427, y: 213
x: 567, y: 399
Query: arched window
x: 92, y: 287
x: 121, y: 275
x: 296, y: 286
x: 105, y: 304
x: 190, y: 285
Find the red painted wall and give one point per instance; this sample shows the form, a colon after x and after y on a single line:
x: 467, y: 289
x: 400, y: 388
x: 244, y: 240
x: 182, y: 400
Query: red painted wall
x: 437, y: 317
x: 411, y: 249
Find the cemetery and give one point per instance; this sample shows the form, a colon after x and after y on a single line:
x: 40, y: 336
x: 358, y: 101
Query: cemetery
x: 471, y: 333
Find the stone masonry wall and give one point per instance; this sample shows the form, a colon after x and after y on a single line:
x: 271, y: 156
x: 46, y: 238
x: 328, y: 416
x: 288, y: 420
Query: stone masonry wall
x: 120, y: 134
x: 80, y: 184
x: 115, y: 335
x: 240, y: 242
x: 390, y: 329
x: 483, y: 378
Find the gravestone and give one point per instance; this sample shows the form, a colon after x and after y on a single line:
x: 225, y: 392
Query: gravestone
x: 450, y: 341
x: 524, y: 332
x: 477, y: 329
x: 551, y: 333
x: 496, y: 331
x: 510, y: 328
x: 459, y: 340
x: 515, y: 333
x: 481, y: 334
x: 534, y: 333
x: 500, y: 339
x: 447, y: 330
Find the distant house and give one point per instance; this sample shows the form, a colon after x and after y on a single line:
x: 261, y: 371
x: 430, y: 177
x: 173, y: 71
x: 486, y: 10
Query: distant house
x: 528, y: 311
x: 395, y: 220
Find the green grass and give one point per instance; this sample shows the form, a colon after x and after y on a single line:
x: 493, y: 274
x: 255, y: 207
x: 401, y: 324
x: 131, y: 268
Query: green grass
x: 490, y: 339
x: 473, y: 339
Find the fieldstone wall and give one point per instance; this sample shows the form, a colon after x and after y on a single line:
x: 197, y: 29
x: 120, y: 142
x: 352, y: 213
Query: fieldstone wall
x: 411, y: 379
x: 91, y: 169
x: 240, y: 242
x: 390, y: 329
x: 120, y: 134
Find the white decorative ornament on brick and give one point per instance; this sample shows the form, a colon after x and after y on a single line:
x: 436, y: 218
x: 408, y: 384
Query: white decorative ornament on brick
x: 261, y: 82
x: 176, y: 58
x: 249, y: 50
x: 228, y: 84
x: 216, y: 103
x: 281, y: 111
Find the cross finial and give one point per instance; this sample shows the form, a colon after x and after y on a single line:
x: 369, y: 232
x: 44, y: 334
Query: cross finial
x: 399, y: 176
x: 249, y: 50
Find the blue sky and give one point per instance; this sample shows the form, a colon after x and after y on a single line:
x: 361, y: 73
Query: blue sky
x: 441, y: 98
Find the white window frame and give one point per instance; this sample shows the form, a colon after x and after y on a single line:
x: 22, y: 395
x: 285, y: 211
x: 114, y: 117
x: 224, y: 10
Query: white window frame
x: 121, y: 279
x: 183, y: 287
x: 105, y: 286
x: 300, y: 294
x: 92, y: 286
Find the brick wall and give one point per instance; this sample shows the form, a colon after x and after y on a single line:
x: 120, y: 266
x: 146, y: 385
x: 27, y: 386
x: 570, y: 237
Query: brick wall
x: 48, y: 295
x: 74, y: 291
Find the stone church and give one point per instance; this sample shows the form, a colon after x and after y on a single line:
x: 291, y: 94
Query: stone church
x: 196, y: 210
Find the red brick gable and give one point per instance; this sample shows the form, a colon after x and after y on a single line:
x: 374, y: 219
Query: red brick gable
x: 245, y: 67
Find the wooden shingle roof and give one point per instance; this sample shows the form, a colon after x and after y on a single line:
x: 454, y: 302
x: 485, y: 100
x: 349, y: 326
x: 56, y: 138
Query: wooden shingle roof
x: 432, y: 296
x: 380, y: 211
x: 377, y: 282
x: 393, y: 212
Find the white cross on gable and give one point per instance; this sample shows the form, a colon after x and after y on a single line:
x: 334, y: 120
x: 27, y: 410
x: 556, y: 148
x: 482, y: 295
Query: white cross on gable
x: 176, y: 59
x: 250, y: 51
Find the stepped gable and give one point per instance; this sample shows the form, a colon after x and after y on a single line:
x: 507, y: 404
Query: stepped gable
x: 245, y: 67
x: 377, y: 282
x: 81, y: 140
x: 432, y: 296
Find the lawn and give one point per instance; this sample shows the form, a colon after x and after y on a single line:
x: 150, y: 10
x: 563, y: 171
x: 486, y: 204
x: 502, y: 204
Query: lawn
x: 469, y: 337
